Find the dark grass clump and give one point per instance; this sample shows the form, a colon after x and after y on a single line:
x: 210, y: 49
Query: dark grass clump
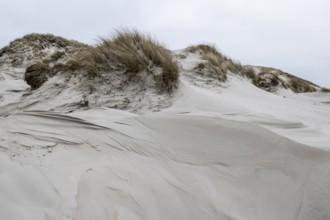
x: 325, y: 89
x: 268, y: 81
x: 36, y: 75
x: 300, y: 86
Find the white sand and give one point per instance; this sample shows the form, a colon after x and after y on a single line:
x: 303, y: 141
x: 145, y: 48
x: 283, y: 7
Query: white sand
x: 230, y: 152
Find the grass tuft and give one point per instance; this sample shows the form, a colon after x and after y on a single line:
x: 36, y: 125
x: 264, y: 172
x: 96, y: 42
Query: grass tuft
x: 129, y: 52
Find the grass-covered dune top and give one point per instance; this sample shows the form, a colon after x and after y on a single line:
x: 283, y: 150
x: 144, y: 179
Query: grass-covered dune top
x: 34, y: 46
x: 131, y: 53
x: 42, y: 41
x: 269, y: 78
x: 137, y: 57
x: 216, y: 65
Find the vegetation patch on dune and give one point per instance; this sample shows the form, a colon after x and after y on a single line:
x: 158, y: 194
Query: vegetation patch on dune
x: 135, y: 56
x: 270, y: 79
x: 131, y: 53
x: 33, y: 47
x: 298, y: 85
x: 217, y: 65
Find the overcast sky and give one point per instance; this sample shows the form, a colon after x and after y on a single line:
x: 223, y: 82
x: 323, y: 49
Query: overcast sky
x: 293, y: 35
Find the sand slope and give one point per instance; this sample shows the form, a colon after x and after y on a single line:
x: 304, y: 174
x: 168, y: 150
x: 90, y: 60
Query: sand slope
x: 108, y: 164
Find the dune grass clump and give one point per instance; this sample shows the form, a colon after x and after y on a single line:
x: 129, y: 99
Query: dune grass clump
x: 268, y: 81
x: 249, y: 73
x: 216, y: 64
x: 299, y: 86
x: 129, y: 52
x: 213, y: 65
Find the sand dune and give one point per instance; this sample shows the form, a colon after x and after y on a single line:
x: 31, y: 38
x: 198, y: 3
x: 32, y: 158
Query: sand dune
x: 224, y: 151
